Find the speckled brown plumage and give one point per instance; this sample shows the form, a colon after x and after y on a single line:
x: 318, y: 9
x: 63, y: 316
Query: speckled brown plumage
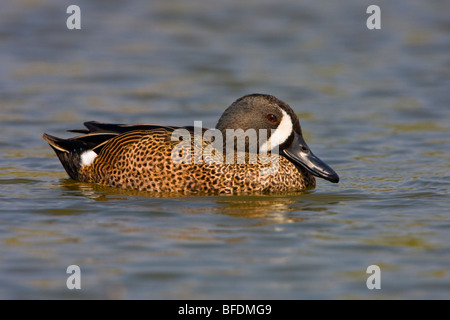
x: 141, y: 160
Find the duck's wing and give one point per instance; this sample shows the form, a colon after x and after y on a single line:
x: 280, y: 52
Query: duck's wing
x: 115, y: 128
x: 98, y: 134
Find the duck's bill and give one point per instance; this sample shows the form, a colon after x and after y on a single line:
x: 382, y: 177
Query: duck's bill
x: 300, y: 154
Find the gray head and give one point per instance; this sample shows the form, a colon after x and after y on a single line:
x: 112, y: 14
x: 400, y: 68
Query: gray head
x: 263, y: 111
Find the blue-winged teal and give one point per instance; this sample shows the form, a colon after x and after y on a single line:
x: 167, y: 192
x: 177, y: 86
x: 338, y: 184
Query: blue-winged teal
x: 141, y: 156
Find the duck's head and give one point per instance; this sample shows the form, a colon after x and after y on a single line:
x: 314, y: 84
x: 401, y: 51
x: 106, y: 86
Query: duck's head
x: 262, y: 111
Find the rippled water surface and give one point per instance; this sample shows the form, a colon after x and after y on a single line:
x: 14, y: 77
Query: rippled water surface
x: 374, y: 105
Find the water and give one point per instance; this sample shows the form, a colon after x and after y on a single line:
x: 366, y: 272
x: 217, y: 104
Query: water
x: 373, y: 105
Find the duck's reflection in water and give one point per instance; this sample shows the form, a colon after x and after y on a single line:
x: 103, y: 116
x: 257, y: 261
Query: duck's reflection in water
x: 266, y: 209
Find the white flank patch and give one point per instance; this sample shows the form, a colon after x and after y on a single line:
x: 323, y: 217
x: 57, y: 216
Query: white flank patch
x: 282, y: 132
x: 87, y: 157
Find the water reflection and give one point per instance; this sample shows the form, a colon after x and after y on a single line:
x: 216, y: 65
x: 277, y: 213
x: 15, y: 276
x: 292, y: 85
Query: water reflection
x: 275, y: 208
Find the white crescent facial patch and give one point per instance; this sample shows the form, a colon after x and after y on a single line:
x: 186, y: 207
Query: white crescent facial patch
x: 281, y: 134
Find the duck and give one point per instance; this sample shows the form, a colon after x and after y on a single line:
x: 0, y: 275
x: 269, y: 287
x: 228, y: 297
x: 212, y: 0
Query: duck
x: 197, y: 160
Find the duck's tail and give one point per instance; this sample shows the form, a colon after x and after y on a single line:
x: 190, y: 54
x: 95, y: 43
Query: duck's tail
x: 79, y: 151
x: 70, y: 152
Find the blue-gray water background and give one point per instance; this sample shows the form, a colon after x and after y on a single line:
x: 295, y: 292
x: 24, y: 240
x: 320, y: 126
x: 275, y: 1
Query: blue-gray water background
x: 374, y: 105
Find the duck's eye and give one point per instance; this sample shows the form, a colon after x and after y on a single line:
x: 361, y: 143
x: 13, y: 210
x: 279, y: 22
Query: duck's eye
x: 272, y: 118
